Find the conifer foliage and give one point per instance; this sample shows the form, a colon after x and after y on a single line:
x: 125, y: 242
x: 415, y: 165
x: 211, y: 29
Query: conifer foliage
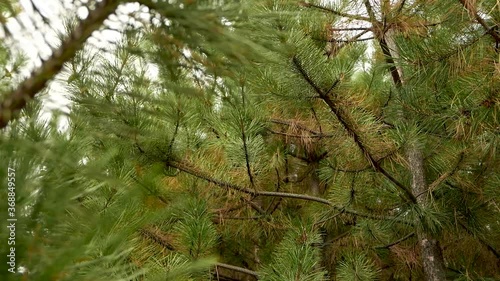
x: 263, y: 140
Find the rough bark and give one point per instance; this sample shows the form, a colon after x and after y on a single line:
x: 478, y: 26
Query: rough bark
x: 431, y: 254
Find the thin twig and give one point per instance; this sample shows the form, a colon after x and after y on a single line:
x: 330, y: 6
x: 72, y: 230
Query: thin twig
x: 396, y: 242
x: 301, y: 136
x: 237, y: 268
x: 294, y: 124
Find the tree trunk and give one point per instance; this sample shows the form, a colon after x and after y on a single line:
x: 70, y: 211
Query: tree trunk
x: 432, y: 257
x: 314, y: 181
x: 430, y: 251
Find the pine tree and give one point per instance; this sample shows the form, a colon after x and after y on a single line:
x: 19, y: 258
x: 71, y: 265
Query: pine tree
x: 88, y: 200
x: 266, y: 140
x: 409, y: 131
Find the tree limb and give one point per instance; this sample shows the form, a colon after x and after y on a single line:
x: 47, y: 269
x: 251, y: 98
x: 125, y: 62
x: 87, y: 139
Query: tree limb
x: 158, y: 237
x: 469, y: 6
x: 192, y: 171
x: 17, y: 99
x: 200, y: 174
x: 351, y: 131
x: 332, y: 11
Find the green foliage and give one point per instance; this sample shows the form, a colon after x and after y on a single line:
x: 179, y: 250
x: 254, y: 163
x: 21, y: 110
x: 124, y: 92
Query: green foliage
x: 196, y: 230
x: 356, y: 267
x: 296, y: 257
x: 194, y: 139
x: 58, y: 231
x: 8, y: 9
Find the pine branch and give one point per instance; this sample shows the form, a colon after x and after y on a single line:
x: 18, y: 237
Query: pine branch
x: 148, y: 188
x: 237, y: 268
x: 203, y: 175
x: 352, y: 170
x: 294, y: 124
x: 365, y: 168
x: 351, y: 40
x: 118, y: 77
x: 336, y: 238
x: 317, y: 119
x: 400, y: 7
x: 157, y: 236
x: 380, y: 34
x: 247, y: 156
x: 254, y: 206
x: 176, y: 131
x: 221, y: 218
x: 244, y: 140
x: 355, y: 38
x: 446, y: 175
x: 332, y: 11
x: 27, y: 90
x: 192, y: 171
x: 350, y: 29
x: 351, y: 131
x: 482, y: 240
x: 369, y: 10
x: 278, y: 187
x: 301, y: 136
x: 396, y: 242
x: 308, y: 79
x: 200, y: 174
x: 469, y: 6
x: 390, y: 61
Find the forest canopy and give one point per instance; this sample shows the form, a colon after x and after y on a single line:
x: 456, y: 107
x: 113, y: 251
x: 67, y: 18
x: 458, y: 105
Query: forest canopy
x: 252, y: 140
